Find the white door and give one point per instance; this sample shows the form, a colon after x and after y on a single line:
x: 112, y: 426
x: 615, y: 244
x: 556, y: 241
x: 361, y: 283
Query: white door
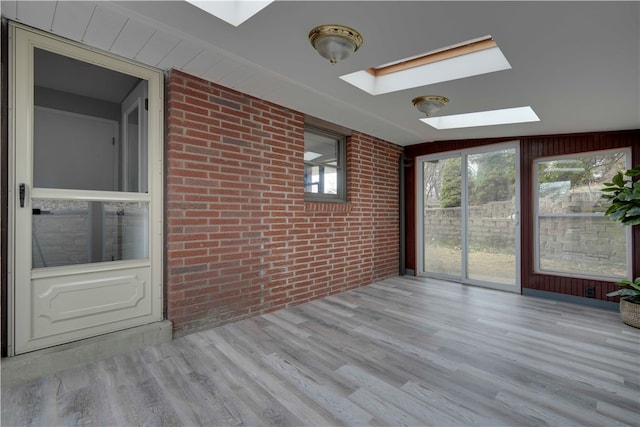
x: 87, y: 235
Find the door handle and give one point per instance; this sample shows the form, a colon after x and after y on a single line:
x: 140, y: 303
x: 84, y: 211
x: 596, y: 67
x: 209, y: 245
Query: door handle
x: 23, y: 191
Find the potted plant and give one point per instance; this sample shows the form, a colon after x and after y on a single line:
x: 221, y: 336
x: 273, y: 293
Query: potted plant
x: 625, y: 207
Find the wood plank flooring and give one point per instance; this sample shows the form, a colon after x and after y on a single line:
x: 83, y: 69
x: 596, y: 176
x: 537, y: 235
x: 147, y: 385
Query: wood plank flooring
x: 403, y: 351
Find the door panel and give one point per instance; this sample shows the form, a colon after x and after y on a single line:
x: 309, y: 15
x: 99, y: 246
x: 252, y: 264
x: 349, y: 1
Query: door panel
x: 87, y: 261
x: 491, y: 217
x: 442, y: 219
x: 81, y: 304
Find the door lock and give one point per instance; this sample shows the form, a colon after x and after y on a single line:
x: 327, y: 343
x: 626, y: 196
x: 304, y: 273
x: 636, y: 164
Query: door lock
x: 23, y: 191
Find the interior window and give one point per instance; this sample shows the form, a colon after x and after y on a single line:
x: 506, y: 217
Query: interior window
x: 324, y: 171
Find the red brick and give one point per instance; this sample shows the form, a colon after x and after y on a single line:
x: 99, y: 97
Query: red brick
x: 241, y: 240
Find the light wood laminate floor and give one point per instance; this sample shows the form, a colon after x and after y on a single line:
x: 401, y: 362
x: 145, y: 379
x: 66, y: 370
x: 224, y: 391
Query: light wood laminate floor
x: 403, y: 351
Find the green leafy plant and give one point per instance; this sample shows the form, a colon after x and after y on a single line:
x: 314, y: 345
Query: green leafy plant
x: 624, y: 196
x: 624, y: 199
x: 632, y: 291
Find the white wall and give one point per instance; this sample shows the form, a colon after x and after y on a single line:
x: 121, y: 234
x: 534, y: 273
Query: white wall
x: 73, y: 151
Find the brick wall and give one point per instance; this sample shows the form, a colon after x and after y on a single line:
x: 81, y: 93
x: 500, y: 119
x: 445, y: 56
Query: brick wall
x: 240, y: 239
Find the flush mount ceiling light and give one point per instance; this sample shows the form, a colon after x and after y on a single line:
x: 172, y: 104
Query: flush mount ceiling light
x: 335, y: 42
x: 466, y: 59
x: 235, y: 12
x: 430, y: 104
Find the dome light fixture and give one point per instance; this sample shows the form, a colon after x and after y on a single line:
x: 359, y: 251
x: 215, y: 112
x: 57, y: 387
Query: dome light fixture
x: 335, y: 42
x: 430, y: 104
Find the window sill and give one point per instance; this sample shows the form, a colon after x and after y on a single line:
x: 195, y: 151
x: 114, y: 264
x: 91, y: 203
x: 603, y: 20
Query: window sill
x: 327, y: 207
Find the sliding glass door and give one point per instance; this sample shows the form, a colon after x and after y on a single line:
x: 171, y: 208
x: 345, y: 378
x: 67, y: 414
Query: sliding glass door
x: 469, y: 211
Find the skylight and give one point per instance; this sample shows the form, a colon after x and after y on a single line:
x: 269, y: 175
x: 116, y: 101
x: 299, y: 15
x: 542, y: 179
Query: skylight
x: 466, y: 59
x: 483, y: 118
x: 235, y: 12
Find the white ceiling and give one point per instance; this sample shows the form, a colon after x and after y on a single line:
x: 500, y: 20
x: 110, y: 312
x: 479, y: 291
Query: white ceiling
x: 577, y: 64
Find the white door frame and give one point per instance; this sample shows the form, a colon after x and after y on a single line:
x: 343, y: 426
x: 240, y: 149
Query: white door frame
x: 23, y: 40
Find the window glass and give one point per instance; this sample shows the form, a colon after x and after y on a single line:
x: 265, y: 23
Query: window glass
x: 573, y: 235
x: 69, y: 232
x: 88, y: 136
x: 442, y: 181
x: 324, y: 155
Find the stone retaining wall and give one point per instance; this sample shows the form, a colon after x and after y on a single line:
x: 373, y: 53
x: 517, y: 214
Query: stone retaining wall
x: 561, y: 238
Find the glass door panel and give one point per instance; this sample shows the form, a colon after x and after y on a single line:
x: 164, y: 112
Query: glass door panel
x: 70, y: 232
x: 442, y: 217
x: 91, y: 139
x: 79, y: 129
x: 491, y: 217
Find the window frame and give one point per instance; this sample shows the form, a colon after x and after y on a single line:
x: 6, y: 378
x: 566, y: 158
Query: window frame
x: 536, y: 216
x: 341, y: 168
